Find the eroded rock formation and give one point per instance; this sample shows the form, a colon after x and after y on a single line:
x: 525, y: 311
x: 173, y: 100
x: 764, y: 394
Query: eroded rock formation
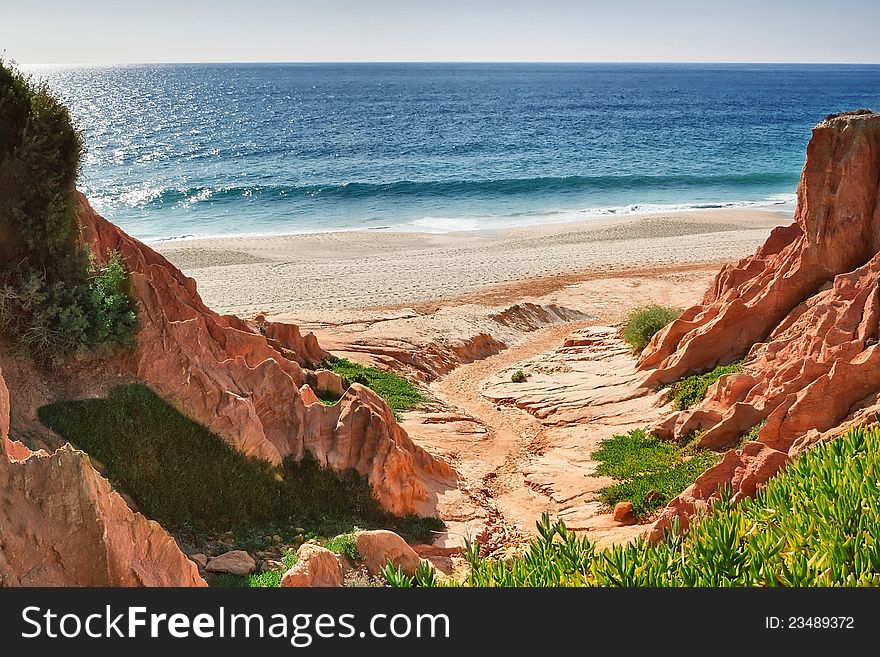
x: 803, y: 312
x: 62, y: 525
x: 243, y: 381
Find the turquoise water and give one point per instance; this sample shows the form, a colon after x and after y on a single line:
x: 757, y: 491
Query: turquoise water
x: 194, y: 150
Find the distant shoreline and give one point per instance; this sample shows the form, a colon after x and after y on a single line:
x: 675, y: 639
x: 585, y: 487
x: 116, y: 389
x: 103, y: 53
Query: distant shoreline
x: 328, y: 276
x: 781, y: 203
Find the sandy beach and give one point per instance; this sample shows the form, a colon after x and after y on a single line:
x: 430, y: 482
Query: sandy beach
x: 320, y: 278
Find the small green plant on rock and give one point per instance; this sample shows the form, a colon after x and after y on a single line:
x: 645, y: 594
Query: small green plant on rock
x: 642, y: 323
x: 344, y: 545
x: 692, y: 390
x: 518, y: 377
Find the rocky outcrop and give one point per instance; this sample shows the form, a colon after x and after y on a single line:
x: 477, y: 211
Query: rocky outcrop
x: 61, y: 524
x: 243, y: 381
x: 427, y: 344
x: 803, y: 312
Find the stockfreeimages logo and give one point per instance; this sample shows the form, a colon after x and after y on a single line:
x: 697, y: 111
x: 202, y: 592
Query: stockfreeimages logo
x: 299, y: 629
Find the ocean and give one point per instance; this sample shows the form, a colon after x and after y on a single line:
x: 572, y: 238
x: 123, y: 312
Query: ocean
x: 177, y: 151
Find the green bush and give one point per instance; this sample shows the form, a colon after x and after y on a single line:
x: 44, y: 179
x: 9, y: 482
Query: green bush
x: 193, y: 483
x: 649, y: 471
x: 815, y: 524
x: 52, y: 320
x: 692, y: 390
x: 53, y: 300
x: 400, y: 394
x: 518, y: 377
x: 40, y: 152
x: 642, y: 323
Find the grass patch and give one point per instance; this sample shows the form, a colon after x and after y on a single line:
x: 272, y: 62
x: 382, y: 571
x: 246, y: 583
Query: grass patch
x: 326, y: 397
x: 752, y: 434
x: 344, y: 545
x: 815, y: 524
x: 400, y: 394
x: 197, y: 486
x: 692, y: 390
x: 642, y: 323
x: 649, y: 471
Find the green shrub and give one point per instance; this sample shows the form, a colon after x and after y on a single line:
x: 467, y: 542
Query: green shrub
x: 518, y: 377
x: 649, y: 471
x: 692, y: 390
x: 193, y: 483
x: 114, y: 315
x: 752, y: 433
x: 400, y: 394
x: 642, y: 323
x: 815, y: 524
x: 344, y: 545
x: 52, y: 300
x: 51, y: 320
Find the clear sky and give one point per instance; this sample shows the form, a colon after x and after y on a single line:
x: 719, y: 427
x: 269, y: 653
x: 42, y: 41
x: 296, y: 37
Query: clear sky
x: 123, y: 31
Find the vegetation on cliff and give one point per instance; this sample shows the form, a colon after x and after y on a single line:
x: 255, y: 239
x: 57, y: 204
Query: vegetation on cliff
x: 642, y: 323
x: 54, y: 298
x: 692, y: 389
x: 194, y: 484
x: 649, y: 472
x: 400, y: 394
x: 815, y: 524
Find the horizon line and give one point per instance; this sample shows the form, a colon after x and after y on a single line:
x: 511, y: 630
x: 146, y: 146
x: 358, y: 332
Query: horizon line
x: 447, y: 62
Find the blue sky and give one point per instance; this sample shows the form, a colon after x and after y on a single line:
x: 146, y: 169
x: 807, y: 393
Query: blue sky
x: 121, y: 31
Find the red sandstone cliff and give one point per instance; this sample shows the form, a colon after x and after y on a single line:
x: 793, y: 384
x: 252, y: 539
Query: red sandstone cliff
x: 244, y: 383
x: 803, y: 312
x: 62, y: 525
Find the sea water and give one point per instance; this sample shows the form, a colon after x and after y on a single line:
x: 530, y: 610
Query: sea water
x: 178, y: 151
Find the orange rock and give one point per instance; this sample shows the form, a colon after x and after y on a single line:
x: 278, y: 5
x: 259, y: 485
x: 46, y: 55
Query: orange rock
x: 379, y: 546
x: 803, y: 312
x: 199, y: 559
x: 744, y: 470
x: 234, y: 562
x: 623, y: 513
x: 315, y: 566
x: 330, y: 382
x: 308, y: 395
x: 62, y: 524
x: 243, y: 382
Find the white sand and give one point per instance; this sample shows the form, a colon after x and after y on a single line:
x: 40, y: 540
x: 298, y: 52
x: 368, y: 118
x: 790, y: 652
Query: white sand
x: 319, y: 277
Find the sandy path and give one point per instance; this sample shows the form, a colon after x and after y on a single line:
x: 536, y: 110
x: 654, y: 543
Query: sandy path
x: 522, y: 449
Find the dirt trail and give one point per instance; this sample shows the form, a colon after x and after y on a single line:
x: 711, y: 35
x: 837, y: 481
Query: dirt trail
x: 522, y: 449
x: 491, y: 467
